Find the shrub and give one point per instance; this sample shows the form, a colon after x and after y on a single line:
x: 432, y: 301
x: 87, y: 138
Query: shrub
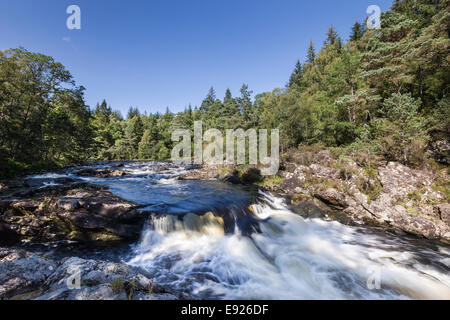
x: 117, y: 285
x: 252, y: 175
x: 401, y: 134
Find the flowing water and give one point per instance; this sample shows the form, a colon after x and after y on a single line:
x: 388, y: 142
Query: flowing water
x: 215, y: 240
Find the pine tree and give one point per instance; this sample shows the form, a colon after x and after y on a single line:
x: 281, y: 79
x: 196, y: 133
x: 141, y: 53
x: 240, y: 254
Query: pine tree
x: 132, y: 112
x: 228, y: 96
x: 296, y: 76
x: 209, y: 100
x: 357, y: 32
x: 311, y: 55
x: 332, y: 37
x: 386, y: 62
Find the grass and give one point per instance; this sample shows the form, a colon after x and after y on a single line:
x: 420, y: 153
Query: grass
x: 117, y: 285
x: 442, y: 186
x: 415, y: 195
x: 270, y: 181
x: 130, y: 288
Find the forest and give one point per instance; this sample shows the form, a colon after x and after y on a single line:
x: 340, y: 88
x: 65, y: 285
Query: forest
x: 382, y: 92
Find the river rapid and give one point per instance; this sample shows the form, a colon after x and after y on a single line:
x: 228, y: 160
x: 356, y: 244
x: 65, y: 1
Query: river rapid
x: 218, y: 241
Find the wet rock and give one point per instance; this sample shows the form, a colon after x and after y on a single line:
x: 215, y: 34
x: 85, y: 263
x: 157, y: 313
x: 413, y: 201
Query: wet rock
x: 118, y: 165
x: 68, y: 204
x: 26, y: 206
x: 199, y: 174
x: 13, y: 184
x: 64, y: 180
x: 81, y: 212
x: 101, y: 173
x: 160, y: 168
x: 232, y: 178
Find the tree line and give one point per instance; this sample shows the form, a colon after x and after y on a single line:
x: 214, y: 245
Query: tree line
x: 382, y: 92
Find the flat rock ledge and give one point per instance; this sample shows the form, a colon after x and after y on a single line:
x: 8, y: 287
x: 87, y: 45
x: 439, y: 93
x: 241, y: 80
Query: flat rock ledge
x: 102, y: 173
x: 27, y: 276
x: 79, y: 211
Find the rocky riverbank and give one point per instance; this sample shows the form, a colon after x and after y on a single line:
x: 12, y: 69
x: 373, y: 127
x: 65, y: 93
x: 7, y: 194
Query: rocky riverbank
x: 74, y: 211
x: 388, y: 194
x: 25, y: 275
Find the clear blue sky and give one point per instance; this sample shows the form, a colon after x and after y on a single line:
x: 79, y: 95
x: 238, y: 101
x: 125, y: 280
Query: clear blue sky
x: 157, y: 53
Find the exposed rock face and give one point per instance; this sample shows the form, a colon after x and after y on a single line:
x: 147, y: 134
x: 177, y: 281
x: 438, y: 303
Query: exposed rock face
x: 332, y: 197
x: 101, y: 173
x: 22, y: 272
x: 227, y: 173
x: 390, y: 194
x: 444, y: 212
x: 200, y: 174
x: 439, y: 146
x: 24, y: 275
x: 80, y: 212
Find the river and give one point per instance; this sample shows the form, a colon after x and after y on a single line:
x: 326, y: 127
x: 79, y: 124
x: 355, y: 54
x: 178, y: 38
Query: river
x: 219, y: 241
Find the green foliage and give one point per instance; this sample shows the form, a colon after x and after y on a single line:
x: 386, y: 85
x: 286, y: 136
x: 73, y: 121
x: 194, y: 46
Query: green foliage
x: 357, y: 31
x: 251, y: 176
x: 383, y: 93
x: 271, y: 181
x: 43, y: 118
x: 401, y: 134
x: 117, y: 285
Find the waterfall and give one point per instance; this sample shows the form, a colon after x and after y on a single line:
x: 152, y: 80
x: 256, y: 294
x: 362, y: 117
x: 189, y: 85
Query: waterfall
x: 220, y: 241
x: 288, y: 258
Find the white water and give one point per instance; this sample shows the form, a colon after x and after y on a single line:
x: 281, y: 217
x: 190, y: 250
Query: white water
x: 292, y: 258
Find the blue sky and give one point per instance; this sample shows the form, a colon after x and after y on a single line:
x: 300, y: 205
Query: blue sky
x: 157, y: 53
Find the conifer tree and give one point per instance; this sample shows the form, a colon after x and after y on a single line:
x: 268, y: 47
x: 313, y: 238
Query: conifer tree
x: 311, y: 55
x: 296, y: 78
x: 357, y: 32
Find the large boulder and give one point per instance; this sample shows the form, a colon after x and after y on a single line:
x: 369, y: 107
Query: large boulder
x: 100, y: 173
x: 332, y: 197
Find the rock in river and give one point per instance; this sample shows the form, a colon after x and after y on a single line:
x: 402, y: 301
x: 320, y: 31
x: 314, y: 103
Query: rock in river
x: 81, y: 212
x: 101, y: 173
